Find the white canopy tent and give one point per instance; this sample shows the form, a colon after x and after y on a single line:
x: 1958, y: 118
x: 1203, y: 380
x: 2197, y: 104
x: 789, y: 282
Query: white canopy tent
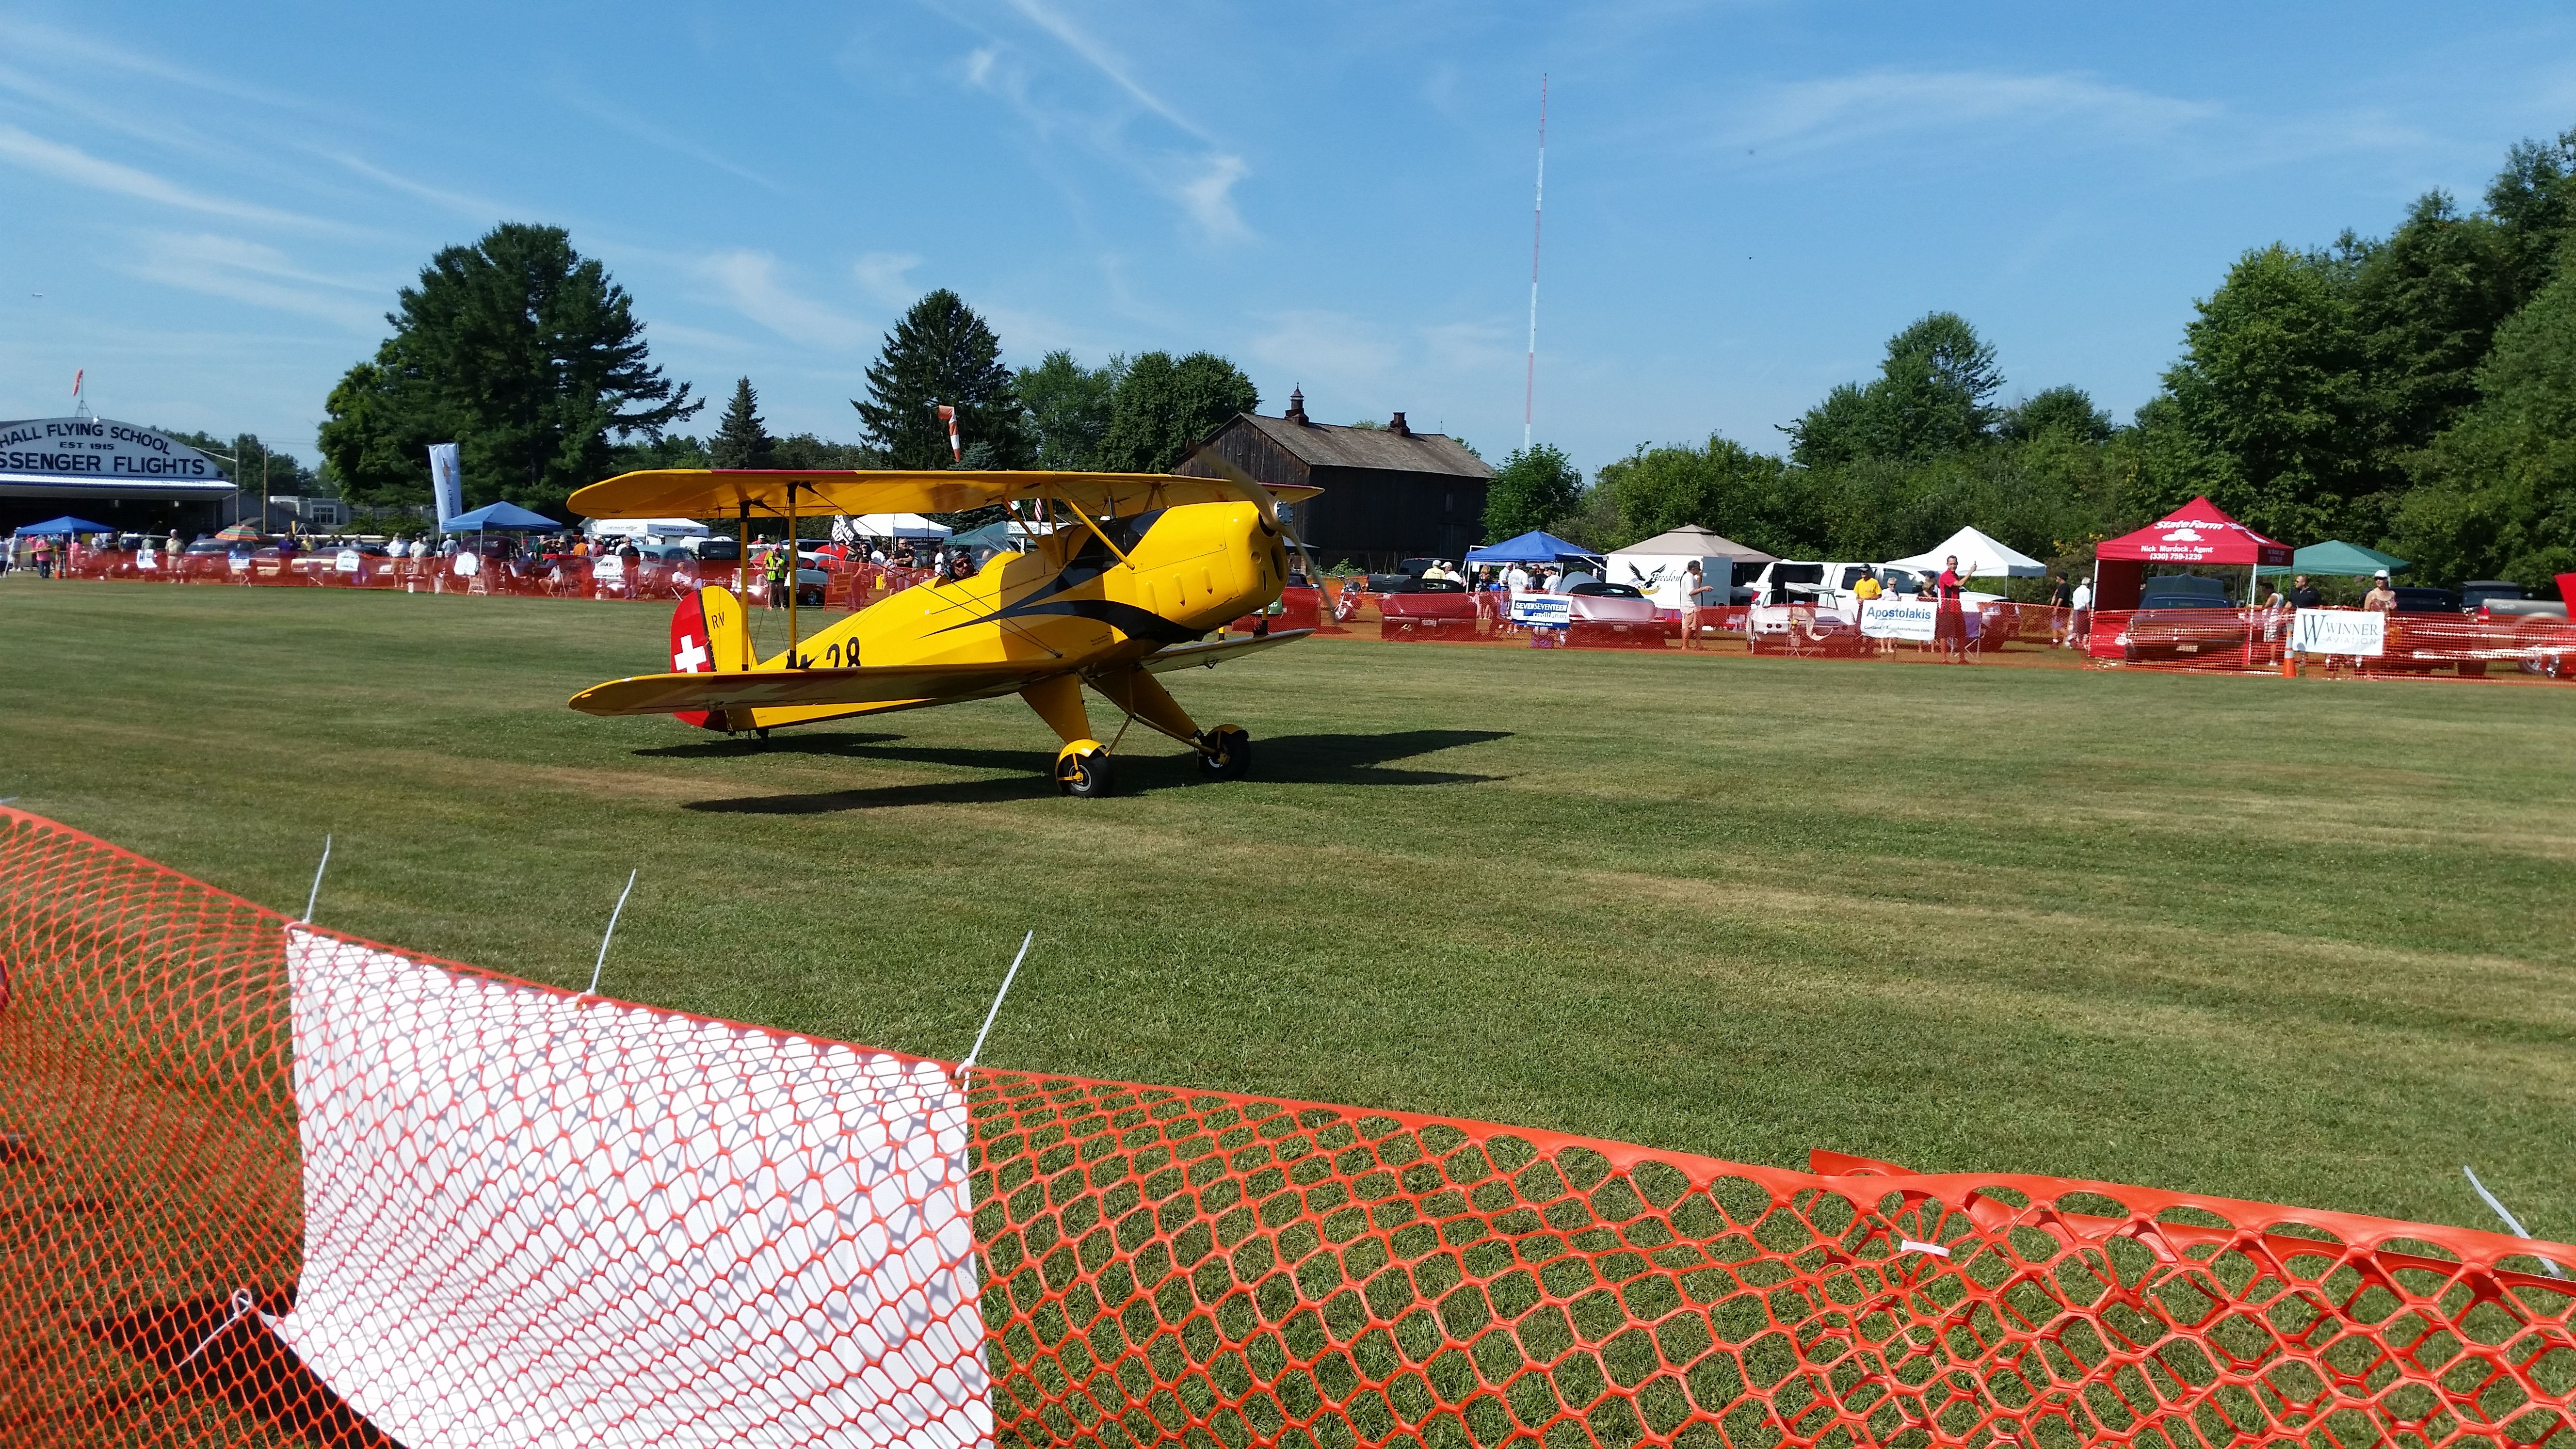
x: 1656, y: 566
x: 891, y: 525
x: 1979, y: 557
x: 645, y: 528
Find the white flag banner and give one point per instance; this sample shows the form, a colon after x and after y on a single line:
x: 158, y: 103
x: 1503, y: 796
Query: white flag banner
x: 2357, y: 632
x: 540, y: 1219
x: 446, y: 481
x: 1917, y: 620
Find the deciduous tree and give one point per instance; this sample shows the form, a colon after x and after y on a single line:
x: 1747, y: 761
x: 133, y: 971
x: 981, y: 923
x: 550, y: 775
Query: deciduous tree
x: 1161, y: 407
x: 1535, y: 487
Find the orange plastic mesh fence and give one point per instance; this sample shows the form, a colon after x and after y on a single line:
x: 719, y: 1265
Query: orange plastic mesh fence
x: 2267, y: 640
x: 628, y: 1226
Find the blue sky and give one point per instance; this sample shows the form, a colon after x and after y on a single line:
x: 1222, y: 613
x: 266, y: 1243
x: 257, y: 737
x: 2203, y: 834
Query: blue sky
x: 218, y: 202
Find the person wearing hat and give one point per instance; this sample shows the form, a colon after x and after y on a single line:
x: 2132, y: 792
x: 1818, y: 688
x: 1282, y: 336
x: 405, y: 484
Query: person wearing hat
x: 2381, y: 599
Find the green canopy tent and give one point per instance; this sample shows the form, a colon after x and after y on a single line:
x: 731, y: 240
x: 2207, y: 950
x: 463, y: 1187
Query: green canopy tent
x: 2335, y: 559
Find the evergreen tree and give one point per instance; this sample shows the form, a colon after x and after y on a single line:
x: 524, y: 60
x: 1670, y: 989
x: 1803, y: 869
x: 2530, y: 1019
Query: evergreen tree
x: 1161, y: 407
x: 1535, y: 487
x: 522, y: 352
x: 942, y: 353
x: 742, y: 440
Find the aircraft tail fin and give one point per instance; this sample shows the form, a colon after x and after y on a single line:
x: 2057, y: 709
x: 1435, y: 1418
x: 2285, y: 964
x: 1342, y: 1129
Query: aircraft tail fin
x: 707, y: 638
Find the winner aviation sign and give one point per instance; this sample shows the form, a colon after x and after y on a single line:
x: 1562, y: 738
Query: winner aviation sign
x: 103, y: 457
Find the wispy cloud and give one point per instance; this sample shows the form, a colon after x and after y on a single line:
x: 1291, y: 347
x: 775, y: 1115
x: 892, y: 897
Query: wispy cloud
x: 1315, y: 345
x: 1104, y: 60
x: 1198, y: 178
x: 749, y: 282
x: 1839, y: 111
x: 70, y: 163
x: 886, y: 276
x: 678, y: 145
x: 263, y: 276
x: 477, y: 207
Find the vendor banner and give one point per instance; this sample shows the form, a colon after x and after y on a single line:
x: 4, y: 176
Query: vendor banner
x: 446, y: 481
x: 2360, y: 633
x: 1542, y: 611
x: 1910, y: 619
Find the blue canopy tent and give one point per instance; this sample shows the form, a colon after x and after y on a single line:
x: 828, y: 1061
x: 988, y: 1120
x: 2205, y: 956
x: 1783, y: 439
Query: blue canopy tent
x: 500, y: 518
x: 60, y: 527
x: 1536, y: 546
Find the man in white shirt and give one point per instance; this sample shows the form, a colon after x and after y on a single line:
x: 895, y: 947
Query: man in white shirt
x: 2081, y: 621
x: 1518, y: 579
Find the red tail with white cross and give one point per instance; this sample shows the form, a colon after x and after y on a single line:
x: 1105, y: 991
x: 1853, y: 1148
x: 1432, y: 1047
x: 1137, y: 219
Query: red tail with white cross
x: 707, y: 637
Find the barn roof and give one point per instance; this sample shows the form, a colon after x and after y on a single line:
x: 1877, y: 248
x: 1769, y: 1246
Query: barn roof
x: 1327, y: 445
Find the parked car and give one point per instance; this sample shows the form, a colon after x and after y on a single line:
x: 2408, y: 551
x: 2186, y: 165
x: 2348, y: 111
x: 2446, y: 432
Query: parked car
x: 1618, y: 610
x: 1420, y: 598
x: 2177, y: 614
x: 2412, y: 599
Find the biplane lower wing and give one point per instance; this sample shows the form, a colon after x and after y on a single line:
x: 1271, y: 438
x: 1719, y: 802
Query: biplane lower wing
x: 770, y: 688
x: 1213, y: 651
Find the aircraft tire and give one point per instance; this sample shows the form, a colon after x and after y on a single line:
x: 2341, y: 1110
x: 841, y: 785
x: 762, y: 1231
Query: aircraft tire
x: 1227, y: 753
x: 1082, y: 770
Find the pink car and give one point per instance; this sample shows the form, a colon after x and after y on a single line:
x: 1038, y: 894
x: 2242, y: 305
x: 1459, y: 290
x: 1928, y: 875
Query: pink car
x: 1601, y: 613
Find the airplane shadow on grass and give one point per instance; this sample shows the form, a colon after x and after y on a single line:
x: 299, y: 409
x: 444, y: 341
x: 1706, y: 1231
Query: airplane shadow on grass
x: 1285, y: 760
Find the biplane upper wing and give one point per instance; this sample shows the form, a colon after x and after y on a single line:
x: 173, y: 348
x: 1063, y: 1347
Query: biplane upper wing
x: 1212, y: 651
x: 772, y: 492
x: 882, y: 684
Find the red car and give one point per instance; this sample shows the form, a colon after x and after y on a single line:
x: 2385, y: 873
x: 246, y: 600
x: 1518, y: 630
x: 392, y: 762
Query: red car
x: 1414, y: 608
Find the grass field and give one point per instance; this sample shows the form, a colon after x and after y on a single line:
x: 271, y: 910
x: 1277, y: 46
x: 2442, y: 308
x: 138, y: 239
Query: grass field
x: 2293, y: 940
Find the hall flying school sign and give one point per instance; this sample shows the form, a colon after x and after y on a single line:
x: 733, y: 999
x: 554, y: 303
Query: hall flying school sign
x: 83, y: 457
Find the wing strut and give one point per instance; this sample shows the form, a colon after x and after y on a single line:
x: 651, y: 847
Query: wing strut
x: 1096, y: 533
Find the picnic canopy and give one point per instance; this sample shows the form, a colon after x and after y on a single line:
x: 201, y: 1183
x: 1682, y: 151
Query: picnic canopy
x: 1979, y: 556
x: 1536, y: 546
x: 896, y: 525
x: 2196, y: 533
x: 994, y: 537
x: 1692, y: 541
x: 57, y: 527
x: 2336, y: 559
x: 499, y: 518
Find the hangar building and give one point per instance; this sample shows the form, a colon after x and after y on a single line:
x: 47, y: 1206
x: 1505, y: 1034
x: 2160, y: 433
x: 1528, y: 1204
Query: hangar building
x: 124, y: 475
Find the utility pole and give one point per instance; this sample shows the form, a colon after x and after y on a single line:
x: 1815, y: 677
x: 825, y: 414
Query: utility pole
x: 1538, y: 215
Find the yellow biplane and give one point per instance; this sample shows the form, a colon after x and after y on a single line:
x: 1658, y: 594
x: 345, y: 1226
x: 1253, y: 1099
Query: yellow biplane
x: 1136, y: 574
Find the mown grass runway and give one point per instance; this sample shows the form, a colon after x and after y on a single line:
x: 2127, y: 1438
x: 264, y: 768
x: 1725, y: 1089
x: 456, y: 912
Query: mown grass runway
x: 2302, y: 941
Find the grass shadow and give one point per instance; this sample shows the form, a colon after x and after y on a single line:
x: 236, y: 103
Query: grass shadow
x: 1287, y: 760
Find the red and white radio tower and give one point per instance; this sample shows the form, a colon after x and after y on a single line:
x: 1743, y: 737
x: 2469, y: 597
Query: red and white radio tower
x: 1538, y: 215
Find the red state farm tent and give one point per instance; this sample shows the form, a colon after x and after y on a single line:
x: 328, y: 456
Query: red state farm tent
x: 2196, y: 533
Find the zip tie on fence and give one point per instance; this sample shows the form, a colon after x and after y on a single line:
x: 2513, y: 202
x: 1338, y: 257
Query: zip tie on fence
x: 314, y: 897
x: 243, y: 1306
x: 1908, y: 1245
x: 2510, y: 1220
x: 611, y: 933
x: 1008, y: 977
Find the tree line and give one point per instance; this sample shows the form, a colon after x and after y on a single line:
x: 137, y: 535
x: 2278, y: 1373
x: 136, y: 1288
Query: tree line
x: 2416, y: 393
x: 530, y: 358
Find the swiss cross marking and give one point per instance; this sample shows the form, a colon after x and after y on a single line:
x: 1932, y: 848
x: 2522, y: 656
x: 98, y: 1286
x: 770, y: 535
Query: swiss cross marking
x: 690, y: 657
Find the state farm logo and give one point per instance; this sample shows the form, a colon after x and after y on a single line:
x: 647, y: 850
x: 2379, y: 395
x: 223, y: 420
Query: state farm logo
x: 2183, y: 535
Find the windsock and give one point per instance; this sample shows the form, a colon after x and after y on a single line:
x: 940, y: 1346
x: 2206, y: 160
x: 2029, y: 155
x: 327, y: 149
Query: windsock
x: 77, y: 374
x: 948, y: 415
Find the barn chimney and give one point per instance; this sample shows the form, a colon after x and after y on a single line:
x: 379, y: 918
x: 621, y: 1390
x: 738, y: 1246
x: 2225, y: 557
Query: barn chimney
x: 1297, y: 406
x: 1398, y: 427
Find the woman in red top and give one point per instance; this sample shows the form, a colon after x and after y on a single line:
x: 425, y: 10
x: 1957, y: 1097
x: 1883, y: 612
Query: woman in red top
x: 1949, y: 623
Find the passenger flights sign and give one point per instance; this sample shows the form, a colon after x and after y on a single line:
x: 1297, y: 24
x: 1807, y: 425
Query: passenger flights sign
x: 100, y: 455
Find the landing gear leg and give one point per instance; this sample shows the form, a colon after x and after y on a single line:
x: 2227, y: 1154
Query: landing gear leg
x: 1225, y: 753
x: 1082, y: 766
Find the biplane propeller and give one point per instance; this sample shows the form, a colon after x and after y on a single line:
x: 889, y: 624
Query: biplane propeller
x: 1138, y: 572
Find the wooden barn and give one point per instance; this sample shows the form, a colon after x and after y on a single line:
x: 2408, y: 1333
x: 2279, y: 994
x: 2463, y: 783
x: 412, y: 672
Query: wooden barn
x: 1389, y: 493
